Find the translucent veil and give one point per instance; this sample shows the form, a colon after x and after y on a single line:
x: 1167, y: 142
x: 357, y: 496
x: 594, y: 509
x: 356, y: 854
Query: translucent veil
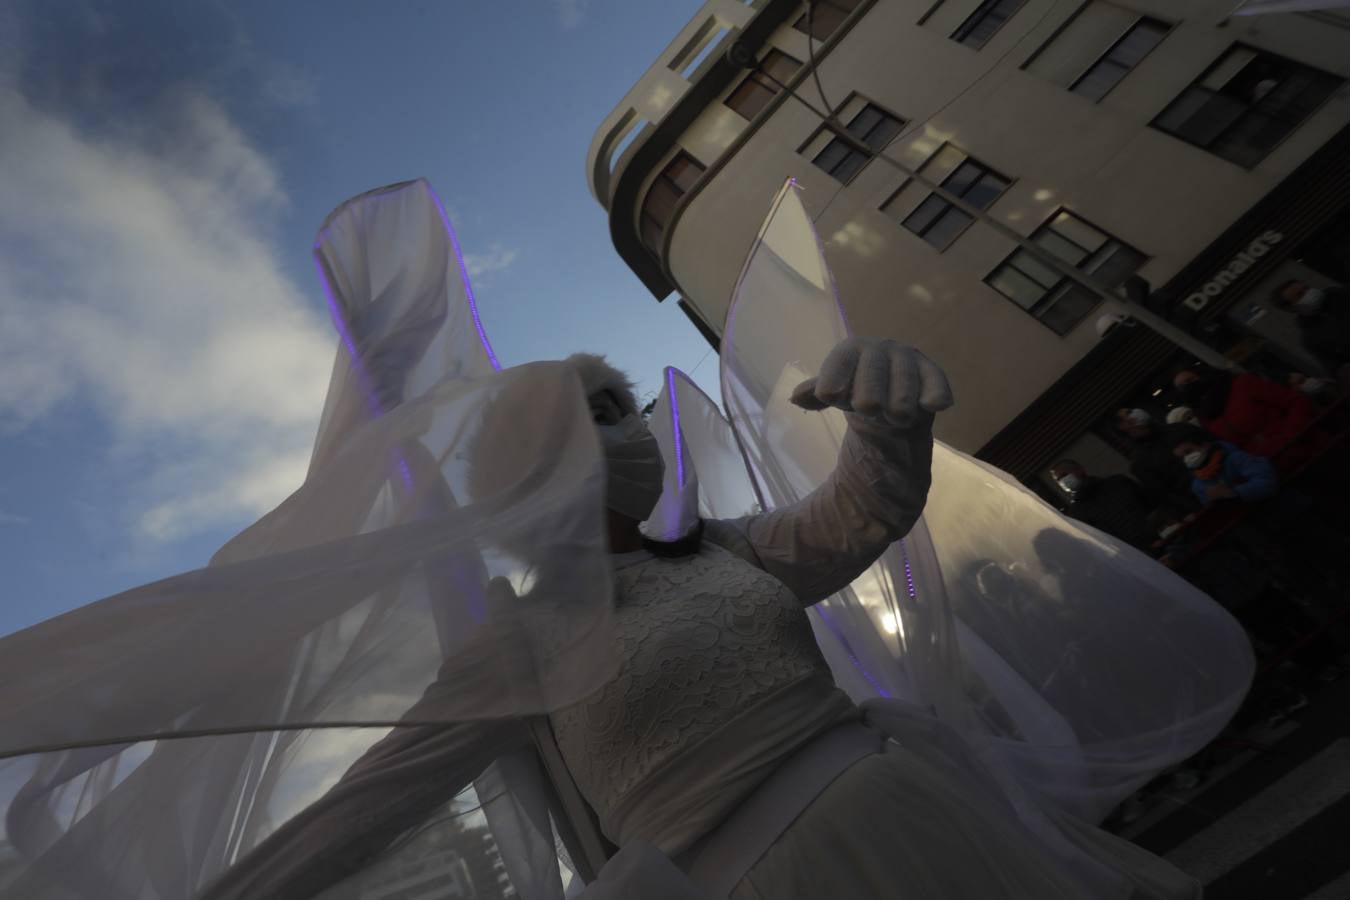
x: 347, y: 670
x: 1074, y: 666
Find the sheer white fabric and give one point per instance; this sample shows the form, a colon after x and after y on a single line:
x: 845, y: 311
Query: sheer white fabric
x: 1078, y: 667
x: 156, y: 738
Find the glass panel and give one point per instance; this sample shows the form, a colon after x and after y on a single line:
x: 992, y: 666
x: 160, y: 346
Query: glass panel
x: 1034, y: 269
x: 924, y: 214
x: 1228, y: 66
x: 883, y: 132
x: 1069, y: 309
x: 833, y: 154
x: 684, y: 171
x: 751, y: 97
x: 1207, y: 123
x: 850, y: 165
x: 1248, y: 141
x: 1061, y: 247
x: 1016, y: 287
x: 985, y: 22
x: 1097, y: 82
x: 1081, y: 43
x: 866, y: 119
x: 1114, y: 263
x: 946, y: 229
x: 1137, y: 43
x: 961, y: 180
x: 1068, y: 225
x: 780, y: 65
x: 986, y: 190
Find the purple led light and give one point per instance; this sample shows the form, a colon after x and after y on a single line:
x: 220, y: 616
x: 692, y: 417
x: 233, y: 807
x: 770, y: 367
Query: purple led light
x: 675, y: 423
x: 909, y: 572
x: 848, y: 648
x: 464, y: 275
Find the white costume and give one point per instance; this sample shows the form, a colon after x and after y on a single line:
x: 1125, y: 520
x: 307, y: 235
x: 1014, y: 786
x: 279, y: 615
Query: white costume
x: 441, y: 582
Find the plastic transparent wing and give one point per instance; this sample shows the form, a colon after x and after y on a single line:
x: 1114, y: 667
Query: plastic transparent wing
x: 1071, y: 661
x: 444, y: 565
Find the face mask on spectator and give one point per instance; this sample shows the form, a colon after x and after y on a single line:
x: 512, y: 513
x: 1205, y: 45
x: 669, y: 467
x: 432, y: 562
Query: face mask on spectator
x: 1314, y: 385
x: 1138, y: 417
x: 1195, y: 459
x: 1072, y: 482
x: 1311, y: 301
x: 1170, y: 530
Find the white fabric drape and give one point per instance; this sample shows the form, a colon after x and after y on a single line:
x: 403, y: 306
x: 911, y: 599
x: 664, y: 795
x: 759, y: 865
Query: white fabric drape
x: 442, y: 569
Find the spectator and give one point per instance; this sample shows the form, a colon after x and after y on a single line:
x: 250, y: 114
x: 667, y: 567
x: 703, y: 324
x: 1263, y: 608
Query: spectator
x: 1220, y: 470
x: 1254, y: 413
x: 1321, y: 390
x: 1324, y: 318
x: 1163, y: 478
x: 1115, y: 505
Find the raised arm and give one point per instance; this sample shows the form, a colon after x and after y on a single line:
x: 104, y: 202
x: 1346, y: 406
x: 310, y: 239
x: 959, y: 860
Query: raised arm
x: 890, y: 394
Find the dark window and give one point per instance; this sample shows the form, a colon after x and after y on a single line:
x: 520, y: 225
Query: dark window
x: 673, y: 183
x: 1058, y: 301
x: 985, y: 21
x: 872, y: 126
x: 1117, y: 62
x: 826, y: 18
x: 1245, y: 104
x: 939, y: 222
x: 762, y: 85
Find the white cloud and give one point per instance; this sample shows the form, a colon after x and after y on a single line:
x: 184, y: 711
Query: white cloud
x: 497, y: 258
x: 12, y: 519
x: 571, y: 12
x: 136, y: 279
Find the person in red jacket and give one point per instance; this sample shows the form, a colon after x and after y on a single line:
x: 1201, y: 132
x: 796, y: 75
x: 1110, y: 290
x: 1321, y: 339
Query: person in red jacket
x: 1257, y: 414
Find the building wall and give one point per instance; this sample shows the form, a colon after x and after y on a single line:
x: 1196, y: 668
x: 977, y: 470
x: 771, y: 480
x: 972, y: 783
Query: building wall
x: 1101, y: 160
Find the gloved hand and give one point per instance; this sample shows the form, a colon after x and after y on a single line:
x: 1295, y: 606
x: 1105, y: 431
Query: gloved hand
x: 877, y: 378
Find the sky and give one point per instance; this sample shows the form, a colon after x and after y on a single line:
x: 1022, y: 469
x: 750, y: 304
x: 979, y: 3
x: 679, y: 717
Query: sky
x: 164, y: 347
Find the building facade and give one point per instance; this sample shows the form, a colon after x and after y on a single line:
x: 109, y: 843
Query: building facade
x: 1196, y: 157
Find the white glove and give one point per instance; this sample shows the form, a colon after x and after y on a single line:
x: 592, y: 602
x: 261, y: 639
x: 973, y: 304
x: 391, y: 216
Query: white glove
x: 877, y: 378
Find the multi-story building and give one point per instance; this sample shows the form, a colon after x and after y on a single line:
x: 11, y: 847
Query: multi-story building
x: 1203, y: 152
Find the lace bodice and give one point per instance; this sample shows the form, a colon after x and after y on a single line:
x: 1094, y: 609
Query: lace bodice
x: 711, y: 647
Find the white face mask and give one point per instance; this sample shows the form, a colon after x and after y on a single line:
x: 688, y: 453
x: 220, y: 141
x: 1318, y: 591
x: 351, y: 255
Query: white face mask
x: 1195, y: 459
x: 1314, y: 385
x: 633, y: 467
x: 1311, y: 301
x: 1139, y: 417
x: 1072, y: 482
x: 1169, y: 531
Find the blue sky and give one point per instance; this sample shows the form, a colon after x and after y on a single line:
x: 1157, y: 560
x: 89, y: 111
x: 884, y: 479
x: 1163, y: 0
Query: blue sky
x: 163, y: 344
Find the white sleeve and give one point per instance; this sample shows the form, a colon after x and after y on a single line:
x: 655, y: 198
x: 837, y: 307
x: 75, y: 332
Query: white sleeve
x: 873, y: 498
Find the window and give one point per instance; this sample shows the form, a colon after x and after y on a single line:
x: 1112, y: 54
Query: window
x: 673, y: 183
x: 985, y: 21
x: 1058, y: 301
x: 939, y: 222
x: 826, y: 18
x: 1245, y: 104
x: 1096, y: 49
x: 761, y: 86
x: 872, y: 126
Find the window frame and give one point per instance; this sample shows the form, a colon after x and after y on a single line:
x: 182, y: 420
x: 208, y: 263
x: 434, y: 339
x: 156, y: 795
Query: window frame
x: 966, y: 159
x: 667, y: 181
x: 760, y: 78
x: 1167, y: 28
x: 1063, y: 284
x: 977, y: 16
x: 1249, y: 107
x: 850, y: 152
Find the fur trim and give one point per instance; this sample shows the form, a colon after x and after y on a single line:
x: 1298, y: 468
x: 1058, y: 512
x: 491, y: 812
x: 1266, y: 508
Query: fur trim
x: 598, y: 375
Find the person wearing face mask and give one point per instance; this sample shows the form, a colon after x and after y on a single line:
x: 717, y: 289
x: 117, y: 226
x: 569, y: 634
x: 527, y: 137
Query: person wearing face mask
x: 1222, y: 471
x: 1321, y: 390
x: 1115, y: 504
x: 1256, y: 414
x: 1163, y: 479
x: 1323, y: 316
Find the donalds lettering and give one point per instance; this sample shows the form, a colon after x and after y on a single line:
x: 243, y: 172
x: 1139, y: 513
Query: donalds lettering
x: 1230, y: 273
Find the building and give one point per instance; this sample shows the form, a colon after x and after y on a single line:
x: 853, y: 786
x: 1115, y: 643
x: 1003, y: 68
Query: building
x: 1201, y: 152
